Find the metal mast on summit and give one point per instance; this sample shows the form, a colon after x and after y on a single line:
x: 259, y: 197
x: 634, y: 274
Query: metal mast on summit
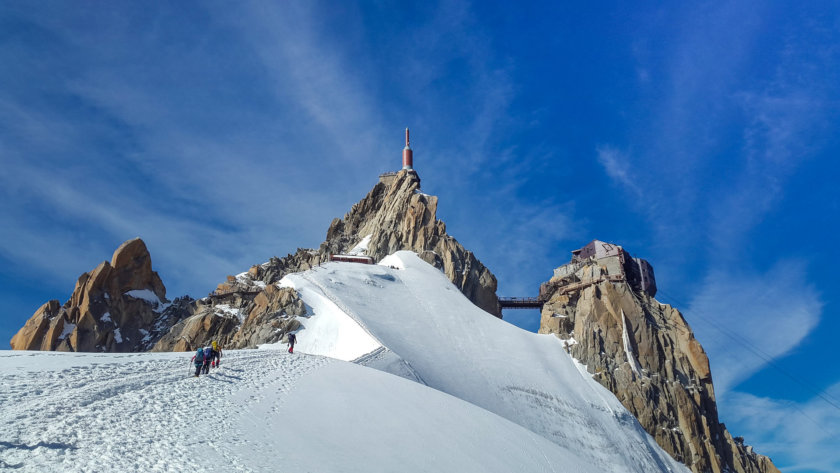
x: 408, y: 155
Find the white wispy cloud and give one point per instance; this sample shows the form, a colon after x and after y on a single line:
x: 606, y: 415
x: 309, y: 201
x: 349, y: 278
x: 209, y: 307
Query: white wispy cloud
x: 214, y: 184
x: 692, y: 191
x: 683, y: 178
x: 744, y: 319
x: 310, y: 67
x: 619, y: 168
x: 207, y: 202
x: 803, y: 435
x: 706, y: 202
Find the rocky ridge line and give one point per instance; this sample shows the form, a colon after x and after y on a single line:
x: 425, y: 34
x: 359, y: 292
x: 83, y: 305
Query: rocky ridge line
x: 646, y: 354
x: 393, y: 216
x: 245, y: 310
x: 396, y: 215
x: 120, y: 306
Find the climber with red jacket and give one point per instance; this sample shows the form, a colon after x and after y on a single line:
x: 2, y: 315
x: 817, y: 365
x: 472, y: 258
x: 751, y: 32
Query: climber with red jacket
x: 292, y: 340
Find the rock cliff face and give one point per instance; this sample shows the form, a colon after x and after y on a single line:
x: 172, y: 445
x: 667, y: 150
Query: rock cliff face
x: 237, y: 319
x: 646, y: 354
x: 246, y: 310
x: 394, y: 216
x: 120, y: 306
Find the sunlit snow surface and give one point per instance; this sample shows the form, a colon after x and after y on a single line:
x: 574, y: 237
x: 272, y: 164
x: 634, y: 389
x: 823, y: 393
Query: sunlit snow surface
x: 487, y: 396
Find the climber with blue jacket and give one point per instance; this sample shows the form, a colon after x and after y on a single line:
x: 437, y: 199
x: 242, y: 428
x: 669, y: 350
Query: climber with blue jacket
x: 208, y: 356
x: 198, y: 360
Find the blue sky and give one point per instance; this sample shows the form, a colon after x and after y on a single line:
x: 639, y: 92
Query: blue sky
x: 703, y: 138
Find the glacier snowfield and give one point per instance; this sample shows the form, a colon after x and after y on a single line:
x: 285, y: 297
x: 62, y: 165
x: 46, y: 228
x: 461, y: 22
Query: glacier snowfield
x: 395, y: 370
x: 262, y: 410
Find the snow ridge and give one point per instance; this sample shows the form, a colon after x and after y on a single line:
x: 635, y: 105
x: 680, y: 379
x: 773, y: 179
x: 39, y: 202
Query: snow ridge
x: 454, y: 347
x: 472, y: 394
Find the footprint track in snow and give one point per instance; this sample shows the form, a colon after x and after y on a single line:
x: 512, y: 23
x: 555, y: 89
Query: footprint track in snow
x: 147, y: 412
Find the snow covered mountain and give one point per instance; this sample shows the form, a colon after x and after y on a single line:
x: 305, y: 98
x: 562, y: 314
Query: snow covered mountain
x: 418, y: 315
x: 121, y: 306
x: 436, y: 385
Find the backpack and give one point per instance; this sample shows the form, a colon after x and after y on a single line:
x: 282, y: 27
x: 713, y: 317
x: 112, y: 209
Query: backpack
x: 207, y: 353
x: 199, y: 356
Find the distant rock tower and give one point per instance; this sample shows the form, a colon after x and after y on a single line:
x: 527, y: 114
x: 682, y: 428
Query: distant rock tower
x: 408, y: 155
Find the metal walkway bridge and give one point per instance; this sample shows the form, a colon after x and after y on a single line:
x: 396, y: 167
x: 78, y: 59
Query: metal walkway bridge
x: 521, y: 302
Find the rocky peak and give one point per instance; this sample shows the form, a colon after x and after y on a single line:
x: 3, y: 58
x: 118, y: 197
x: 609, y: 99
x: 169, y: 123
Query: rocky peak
x: 119, y: 306
x: 395, y: 215
x: 237, y: 320
x: 132, y: 269
x: 247, y: 310
x: 602, y: 305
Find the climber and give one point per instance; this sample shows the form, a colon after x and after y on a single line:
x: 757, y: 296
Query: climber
x: 208, y: 355
x: 216, y: 360
x: 198, y: 360
x: 292, y: 340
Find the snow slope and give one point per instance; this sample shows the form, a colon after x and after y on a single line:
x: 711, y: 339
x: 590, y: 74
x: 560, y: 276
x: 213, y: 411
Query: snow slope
x: 435, y: 335
x: 261, y: 411
x: 479, y: 396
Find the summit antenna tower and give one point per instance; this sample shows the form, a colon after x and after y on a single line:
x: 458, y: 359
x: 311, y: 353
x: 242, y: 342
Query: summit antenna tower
x: 408, y: 155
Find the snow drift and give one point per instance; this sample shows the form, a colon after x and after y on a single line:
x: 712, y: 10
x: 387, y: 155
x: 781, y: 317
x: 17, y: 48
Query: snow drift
x: 471, y: 393
x: 429, y: 332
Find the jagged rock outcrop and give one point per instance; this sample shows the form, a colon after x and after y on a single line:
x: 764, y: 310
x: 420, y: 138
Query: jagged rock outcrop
x: 271, y: 317
x: 237, y: 319
x: 245, y: 311
x: 120, y: 306
x: 646, y: 354
x: 394, y: 216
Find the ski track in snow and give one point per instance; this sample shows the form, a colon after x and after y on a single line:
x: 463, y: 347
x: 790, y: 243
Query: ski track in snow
x: 145, y: 415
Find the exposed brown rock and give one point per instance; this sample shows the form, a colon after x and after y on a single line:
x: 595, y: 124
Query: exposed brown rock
x: 132, y: 266
x: 31, y: 335
x: 237, y: 320
x: 247, y: 310
x: 197, y: 331
x: 272, y: 316
x: 396, y: 216
x: 646, y: 354
x: 104, y: 313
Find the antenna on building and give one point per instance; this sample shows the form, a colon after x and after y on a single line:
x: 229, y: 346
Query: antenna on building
x: 408, y: 155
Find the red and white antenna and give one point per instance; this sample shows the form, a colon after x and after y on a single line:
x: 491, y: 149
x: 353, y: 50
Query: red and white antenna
x: 408, y: 155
